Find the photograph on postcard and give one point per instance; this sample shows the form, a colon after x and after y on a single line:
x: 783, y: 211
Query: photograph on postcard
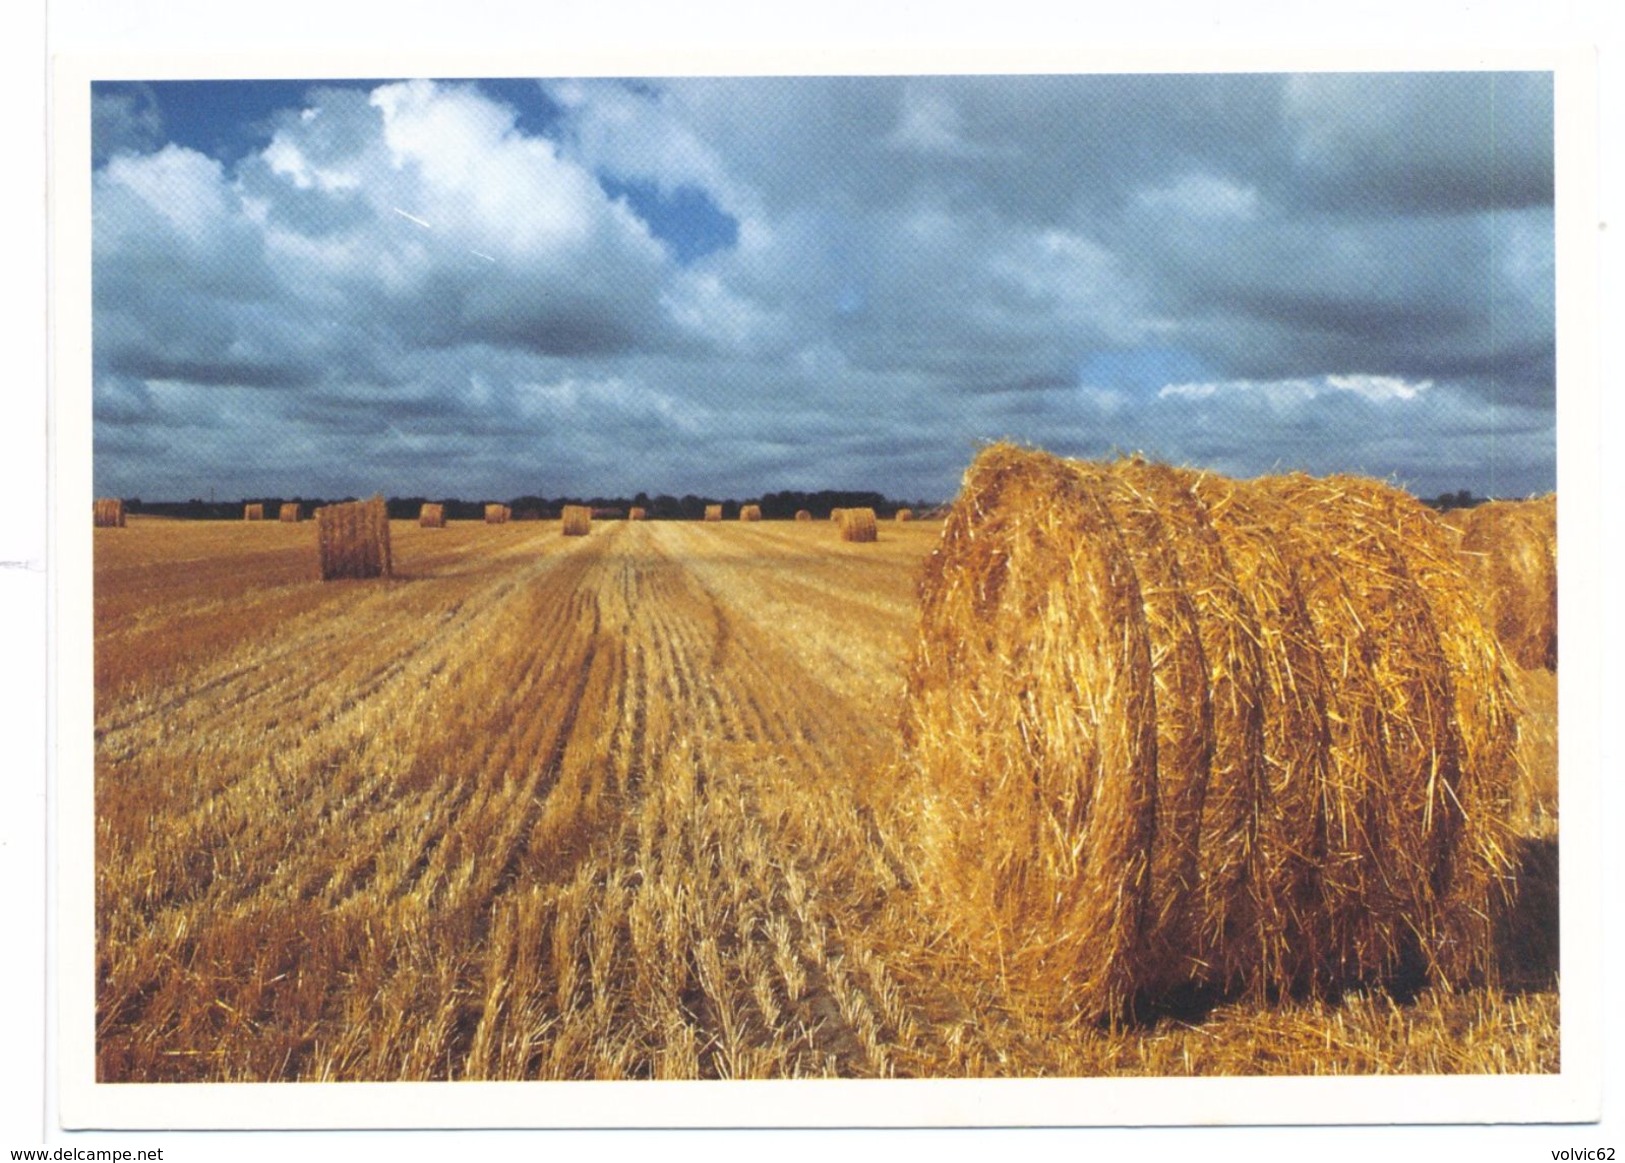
x: 824, y: 577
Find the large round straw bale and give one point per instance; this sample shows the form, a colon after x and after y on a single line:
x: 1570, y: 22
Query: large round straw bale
x: 713, y: 512
x: 109, y: 513
x: 637, y: 513
x: 254, y: 512
x: 497, y: 514
x: 750, y: 512
x: 804, y: 515
x: 858, y: 525
x: 289, y: 512
x: 905, y: 515
x: 432, y: 515
x: 576, y: 520
x: 1511, y: 547
x: 352, y: 540
x: 1170, y: 730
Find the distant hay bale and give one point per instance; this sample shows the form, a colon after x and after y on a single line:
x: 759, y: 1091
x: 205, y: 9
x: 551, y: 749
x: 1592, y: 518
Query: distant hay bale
x: 1167, y: 730
x: 432, y: 515
x: 497, y: 514
x: 713, y: 512
x: 353, y: 540
x: 577, y: 520
x: 803, y: 515
x: 858, y: 525
x: 109, y: 513
x: 750, y: 512
x: 905, y: 514
x: 254, y: 512
x: 289, y: 512
x: 1511, y: 551
x: 637, y: 513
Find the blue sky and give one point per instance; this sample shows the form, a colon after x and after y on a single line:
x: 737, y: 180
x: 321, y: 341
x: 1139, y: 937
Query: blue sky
x: 732, y: 286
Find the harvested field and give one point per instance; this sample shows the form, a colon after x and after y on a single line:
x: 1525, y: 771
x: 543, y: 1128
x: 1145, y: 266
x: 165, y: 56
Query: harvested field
x: 633, y: 815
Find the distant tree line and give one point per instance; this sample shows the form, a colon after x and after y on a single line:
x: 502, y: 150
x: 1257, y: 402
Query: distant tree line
x: 1460, y: 499
x: 662, y: 507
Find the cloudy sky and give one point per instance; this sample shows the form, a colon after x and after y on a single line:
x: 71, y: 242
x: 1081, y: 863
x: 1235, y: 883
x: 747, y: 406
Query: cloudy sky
x: 733, y: 286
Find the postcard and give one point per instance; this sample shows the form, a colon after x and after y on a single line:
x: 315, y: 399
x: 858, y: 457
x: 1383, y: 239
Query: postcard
x: 920, y: 596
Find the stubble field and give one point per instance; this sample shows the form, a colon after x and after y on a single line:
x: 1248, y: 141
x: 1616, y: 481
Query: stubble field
x: 613, y: 806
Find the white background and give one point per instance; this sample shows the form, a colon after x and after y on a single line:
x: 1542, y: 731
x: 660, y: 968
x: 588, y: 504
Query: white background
x: 734, y: 31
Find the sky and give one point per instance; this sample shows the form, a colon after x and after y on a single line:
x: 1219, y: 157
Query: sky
x: 731, y: 286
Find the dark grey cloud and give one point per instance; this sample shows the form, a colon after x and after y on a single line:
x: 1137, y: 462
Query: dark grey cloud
x: 1447, y: 143
x: 418, y: 287
x: 125, y: 119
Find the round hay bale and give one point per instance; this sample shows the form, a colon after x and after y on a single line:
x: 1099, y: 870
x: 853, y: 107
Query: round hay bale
x: 1511, y: 548
x: 108, y: 513
x: 713, y: 512
x: 637, y: 513
x: 254, y: 512
x: 289, y: 512
x: 803, y: 515
x: 835, y: 514
x: 497, y: 514
x: 905, y: 515
x: 1168, y: 730
x: 352, y: 540
x: 432, y: 515
x: 750, y: 512
x: 576, y: 520
x: 858, y: 525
